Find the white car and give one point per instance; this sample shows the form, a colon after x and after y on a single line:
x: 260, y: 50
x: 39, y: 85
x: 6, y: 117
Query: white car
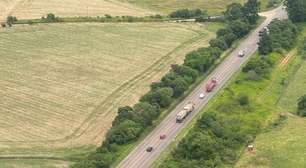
x: 201, y: 96
x: 241, y: 53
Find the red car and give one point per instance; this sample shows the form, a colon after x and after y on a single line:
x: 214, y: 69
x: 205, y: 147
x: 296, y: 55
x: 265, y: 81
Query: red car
x: 211, y: 85
x: 162, y: 136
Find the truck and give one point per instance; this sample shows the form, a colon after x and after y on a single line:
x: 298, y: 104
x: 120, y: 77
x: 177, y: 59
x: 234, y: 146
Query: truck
x: 185, y: 112
x: 211, y: 85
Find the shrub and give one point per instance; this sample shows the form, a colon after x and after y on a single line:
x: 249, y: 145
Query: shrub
x: 243, y: 99
x: 187, y: 13
x: 302, y: 106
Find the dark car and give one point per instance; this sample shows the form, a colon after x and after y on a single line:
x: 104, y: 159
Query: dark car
x: 149, y: 149
x: 162, y: 136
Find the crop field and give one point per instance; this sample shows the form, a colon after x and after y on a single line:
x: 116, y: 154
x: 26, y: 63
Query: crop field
x: 29, y: 9
x: 62, y: 83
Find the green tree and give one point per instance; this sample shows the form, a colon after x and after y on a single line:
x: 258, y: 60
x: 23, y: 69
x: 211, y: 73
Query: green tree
x: 219, y: 43
x: 240, y: 28
x: 234, y: 11
x: 10, y: 20
x: 251, y: 10
x: 179, y: 86
x: 160, y: 96
x: 51, y: 18
x: 296, y: 10
x: 125, y: 113
x: 147, y: 111
x: 124, y: 132
x: 265, y: 44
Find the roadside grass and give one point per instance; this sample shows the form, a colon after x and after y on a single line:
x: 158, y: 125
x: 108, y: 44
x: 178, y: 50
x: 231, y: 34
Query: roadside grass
x: 65, y: 62
x: 283, y: 146
x: 280, y: 147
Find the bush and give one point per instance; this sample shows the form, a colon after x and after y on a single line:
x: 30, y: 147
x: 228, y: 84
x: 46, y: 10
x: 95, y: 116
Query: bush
x: 219, y: 43
x: 302, y: 49
x: 243, y: 100
x: 10, y: 20
x: 302, y: 106
x: 187, y: 13
x: 124, y: 132
x: 260, y: 65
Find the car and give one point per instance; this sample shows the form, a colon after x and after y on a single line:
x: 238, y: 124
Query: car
x: 241, y: 53
x: 201, y: 96
x: 211, y: 84
x: 162, y: 136
x: 149, y: 149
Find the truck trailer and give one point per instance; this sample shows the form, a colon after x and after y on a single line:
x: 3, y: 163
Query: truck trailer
x: 185, y: 112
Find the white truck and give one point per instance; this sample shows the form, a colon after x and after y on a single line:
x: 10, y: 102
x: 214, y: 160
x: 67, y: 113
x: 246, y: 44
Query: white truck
x: 185, y: 112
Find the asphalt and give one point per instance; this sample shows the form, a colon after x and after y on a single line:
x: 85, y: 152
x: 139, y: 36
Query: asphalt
x: 139, y: 157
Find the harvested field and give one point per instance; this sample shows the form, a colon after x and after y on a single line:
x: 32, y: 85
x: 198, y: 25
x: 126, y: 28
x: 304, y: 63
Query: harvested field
x: 62, y: 83
x: 29, y: 9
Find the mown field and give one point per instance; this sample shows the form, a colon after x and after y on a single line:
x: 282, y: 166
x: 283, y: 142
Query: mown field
x: 167, y: 6
x: 283, y: 146
x: 32, y: 164
x: 62, y: 83
x: 29, y: 9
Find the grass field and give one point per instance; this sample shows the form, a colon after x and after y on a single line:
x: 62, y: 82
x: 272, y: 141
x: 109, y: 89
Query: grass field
x: 167, y: 6
x: 32, y: 164
x: 62, y: 83
x: 29, y: 9
x: 283, y: 146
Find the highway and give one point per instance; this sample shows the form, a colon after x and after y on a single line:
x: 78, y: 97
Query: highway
x: 139, y: 157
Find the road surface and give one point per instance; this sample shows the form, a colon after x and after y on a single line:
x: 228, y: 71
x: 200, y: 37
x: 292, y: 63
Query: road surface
x: 139, y: 158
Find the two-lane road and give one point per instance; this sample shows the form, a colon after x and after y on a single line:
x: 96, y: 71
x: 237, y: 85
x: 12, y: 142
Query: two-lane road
x: 139, y: 158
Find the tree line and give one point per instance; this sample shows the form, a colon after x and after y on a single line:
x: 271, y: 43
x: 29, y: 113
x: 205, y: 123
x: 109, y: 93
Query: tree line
x: 131, y: 122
